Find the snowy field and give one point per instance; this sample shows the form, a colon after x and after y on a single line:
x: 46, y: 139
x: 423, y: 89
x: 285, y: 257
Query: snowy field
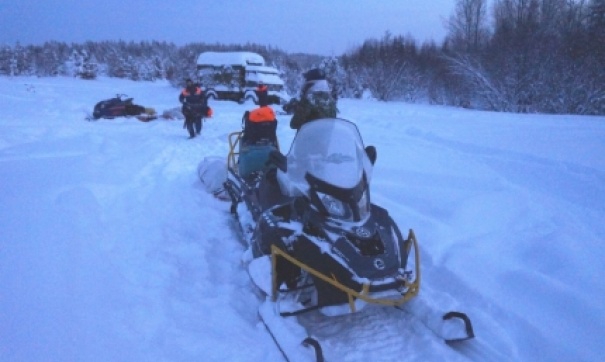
x: 111, y: 250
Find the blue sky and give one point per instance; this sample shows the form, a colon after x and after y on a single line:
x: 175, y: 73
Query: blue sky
x: 315, y: 26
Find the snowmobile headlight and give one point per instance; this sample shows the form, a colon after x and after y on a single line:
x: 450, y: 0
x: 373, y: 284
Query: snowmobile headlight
x: 335, y: 207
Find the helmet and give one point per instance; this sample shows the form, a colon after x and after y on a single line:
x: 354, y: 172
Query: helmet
x: 315, y: 74
x: 319, y: 86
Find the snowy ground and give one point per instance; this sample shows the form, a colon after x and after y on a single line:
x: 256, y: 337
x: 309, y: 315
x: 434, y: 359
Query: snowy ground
x: 111, y: 250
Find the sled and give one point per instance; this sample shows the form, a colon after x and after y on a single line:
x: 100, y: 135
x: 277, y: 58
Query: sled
x: 212, y: 174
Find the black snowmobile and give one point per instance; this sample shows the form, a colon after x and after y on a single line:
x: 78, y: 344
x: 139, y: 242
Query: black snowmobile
x: 316, y: 242
x: 121, y: 106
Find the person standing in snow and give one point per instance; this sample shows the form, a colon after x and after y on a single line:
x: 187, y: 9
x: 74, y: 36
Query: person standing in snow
x: 195, y: 107
x: 316, y: 100
x: 262, y: 94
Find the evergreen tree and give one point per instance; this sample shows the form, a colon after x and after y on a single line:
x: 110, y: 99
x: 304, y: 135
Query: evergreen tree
x: 6, y: 56
x: 335, y: 75
x: 90, y: 67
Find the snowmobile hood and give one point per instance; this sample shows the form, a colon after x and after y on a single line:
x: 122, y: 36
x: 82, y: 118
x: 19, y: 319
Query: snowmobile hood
x: 329, y: 149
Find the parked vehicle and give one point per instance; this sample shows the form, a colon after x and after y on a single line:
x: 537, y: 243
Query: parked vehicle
x: 122, y: 106
x: 236, y: 75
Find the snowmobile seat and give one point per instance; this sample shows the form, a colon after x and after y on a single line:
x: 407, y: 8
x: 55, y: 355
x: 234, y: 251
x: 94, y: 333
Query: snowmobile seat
x: 253, y: 158
x: 259, y: 132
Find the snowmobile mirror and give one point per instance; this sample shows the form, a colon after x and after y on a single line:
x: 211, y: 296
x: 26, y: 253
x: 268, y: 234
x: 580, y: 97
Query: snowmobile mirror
x: 279, y: 160
x: 371, y: 152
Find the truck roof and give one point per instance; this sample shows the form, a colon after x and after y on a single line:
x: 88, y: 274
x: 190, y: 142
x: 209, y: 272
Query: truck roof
x: 266, y: 75
x: 230, y: 58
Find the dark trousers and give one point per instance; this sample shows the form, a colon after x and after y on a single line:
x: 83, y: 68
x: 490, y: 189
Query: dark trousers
x: 194, y: 125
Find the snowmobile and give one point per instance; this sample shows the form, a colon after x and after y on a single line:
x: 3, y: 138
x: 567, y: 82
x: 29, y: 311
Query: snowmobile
x: 315, y: 242
x: 121, y: 106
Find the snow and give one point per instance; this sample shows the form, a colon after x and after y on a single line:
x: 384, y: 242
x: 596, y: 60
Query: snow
x: 230, y: 58
x: 112, y: 250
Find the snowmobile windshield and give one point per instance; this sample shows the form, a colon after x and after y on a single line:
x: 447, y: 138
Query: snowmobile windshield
x: 330, y: 150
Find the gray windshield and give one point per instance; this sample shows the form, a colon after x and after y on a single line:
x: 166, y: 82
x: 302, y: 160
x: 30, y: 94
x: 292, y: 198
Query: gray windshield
x: 329, y: 149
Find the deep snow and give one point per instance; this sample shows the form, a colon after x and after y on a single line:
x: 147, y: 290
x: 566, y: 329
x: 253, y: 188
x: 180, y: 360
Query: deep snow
x: 111, y: 250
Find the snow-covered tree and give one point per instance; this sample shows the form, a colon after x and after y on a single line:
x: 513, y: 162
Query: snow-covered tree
x: 335, y: 74
x: 19, y: 63
x: 6, y: 56
x: 387, y: 67
x: 90, y: 67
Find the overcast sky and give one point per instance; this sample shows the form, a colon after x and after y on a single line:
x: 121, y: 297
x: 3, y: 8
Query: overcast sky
x: 328, y: 27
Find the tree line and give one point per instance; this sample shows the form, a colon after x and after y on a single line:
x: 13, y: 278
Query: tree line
x: 139, y: 61
x: 544, y: 56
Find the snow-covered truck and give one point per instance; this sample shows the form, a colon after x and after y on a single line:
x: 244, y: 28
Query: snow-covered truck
x: 236, y: 75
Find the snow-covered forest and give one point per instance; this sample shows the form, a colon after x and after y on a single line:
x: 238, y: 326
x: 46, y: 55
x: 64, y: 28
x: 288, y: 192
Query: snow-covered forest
x: 543, y: 56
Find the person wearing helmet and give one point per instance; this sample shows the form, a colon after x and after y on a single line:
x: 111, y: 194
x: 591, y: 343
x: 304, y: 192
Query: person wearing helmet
x: 316, y: 100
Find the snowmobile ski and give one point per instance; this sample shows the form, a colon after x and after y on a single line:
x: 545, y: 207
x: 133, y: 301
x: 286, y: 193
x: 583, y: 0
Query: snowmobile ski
x: 452, y: 327
x: 290, y: 337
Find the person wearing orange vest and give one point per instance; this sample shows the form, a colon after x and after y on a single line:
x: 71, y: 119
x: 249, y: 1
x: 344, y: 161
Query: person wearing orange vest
x: 262, y: 93
x: 195, y: 107
x: 260, y: 124
x: 257, y: 141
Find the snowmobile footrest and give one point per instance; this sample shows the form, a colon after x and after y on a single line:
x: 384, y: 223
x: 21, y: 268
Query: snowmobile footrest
x: 299, y: 311
x: 467, y: 325
x: 310, y: 341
